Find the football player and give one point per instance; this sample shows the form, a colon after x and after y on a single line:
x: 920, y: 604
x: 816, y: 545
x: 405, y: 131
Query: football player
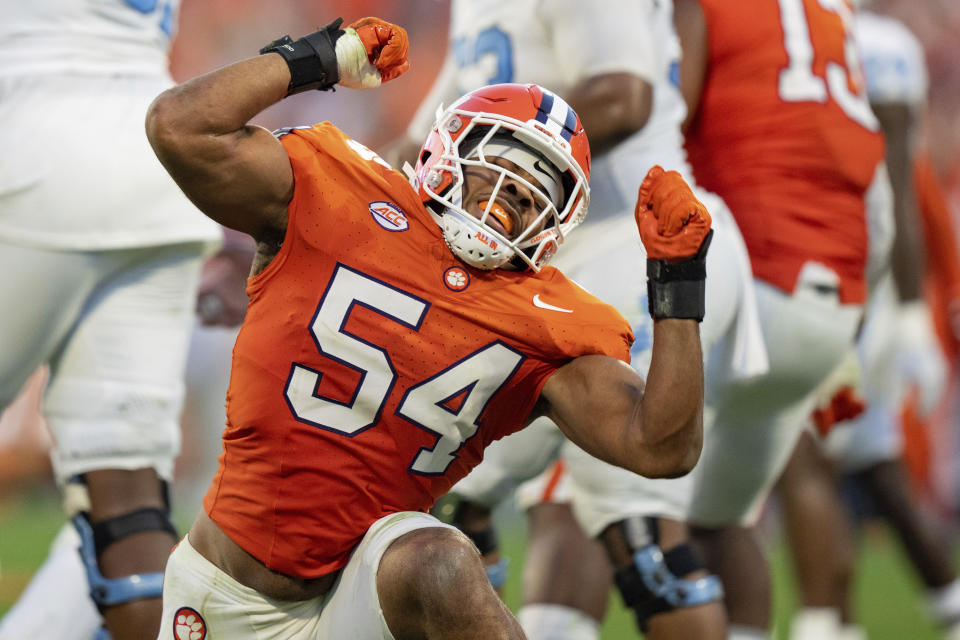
x: 898, y: 354
x: 780, y: 127
x: 397, y: 327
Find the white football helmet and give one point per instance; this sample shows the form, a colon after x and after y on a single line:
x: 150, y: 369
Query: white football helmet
x: 534, y: 129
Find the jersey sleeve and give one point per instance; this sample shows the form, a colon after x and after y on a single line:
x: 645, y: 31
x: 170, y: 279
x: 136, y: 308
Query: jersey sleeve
x: 301, y: 154
x: 328, y: 167
x: 589, y: 42
x: 314, y: 151
x: 594, y: 328
x: 324, y: 152
x: 322, y: 145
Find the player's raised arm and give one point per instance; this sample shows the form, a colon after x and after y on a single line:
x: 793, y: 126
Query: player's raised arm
x: 691, y: 26
x: 612, y: 107
x: 237, y: 173
x: 600, y: 403
x: 613, y: 74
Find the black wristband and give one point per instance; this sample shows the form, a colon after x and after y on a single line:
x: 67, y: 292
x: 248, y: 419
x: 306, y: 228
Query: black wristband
x: 678, y: 289
x: 312, y: 59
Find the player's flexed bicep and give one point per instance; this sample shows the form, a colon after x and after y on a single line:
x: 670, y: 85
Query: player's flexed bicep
x: 239, y: 174
x: 236, y: 173
x: 596, y: 400
x: 600, y: 403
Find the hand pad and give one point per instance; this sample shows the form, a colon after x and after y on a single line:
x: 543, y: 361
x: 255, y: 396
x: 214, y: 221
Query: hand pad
x: 370, y: 52
x: 672, y: 222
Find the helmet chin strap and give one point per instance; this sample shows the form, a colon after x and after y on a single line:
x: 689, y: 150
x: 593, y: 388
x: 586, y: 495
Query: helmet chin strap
x: 462, y: 234
x: 476, y: 243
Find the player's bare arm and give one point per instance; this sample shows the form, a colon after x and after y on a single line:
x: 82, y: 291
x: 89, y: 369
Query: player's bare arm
x: 237, y: 173
x: 599, y: 402
x: 691, y: 26
x: 897, y: 121
x: 611, y: 106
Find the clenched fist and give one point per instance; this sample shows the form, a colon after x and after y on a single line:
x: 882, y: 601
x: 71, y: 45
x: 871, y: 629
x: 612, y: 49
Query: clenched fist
x: 672, y: 222
x: 372, y: 51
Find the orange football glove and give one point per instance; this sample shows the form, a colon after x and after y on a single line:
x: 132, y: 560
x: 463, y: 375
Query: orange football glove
x: 846, y: 404
x: 672, y: 222
x: 837, y: 397
x: 387, y: 46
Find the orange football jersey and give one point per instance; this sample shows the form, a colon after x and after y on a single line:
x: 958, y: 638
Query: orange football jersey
x: 942, y: 256
x: 785, y: 135
x: 373, y: 368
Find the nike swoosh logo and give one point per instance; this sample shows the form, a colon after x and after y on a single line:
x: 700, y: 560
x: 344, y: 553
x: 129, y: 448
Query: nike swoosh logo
x: 541, y: 169
x: 537, y: 302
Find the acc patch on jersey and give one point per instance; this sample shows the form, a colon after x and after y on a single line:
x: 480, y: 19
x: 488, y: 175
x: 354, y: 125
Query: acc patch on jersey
x: 456, y: 278
x: 188, y: 625
x: 389, y: 216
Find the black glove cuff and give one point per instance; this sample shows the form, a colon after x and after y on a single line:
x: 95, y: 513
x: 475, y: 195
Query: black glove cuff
x: 678, y: 289
x: 312, y: 59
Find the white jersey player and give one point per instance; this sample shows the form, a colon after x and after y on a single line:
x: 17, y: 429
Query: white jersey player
x: 115, y: 198
x: 102, y: 253
x: 559, y: 44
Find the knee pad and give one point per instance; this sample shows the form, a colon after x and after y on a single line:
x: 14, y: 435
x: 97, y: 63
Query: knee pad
x: 655, y: 582
x: 95, y: 538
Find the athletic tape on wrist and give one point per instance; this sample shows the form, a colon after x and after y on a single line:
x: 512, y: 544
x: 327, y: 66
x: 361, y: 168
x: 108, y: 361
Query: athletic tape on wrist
x: 678, y: 289
x: 312, y: 59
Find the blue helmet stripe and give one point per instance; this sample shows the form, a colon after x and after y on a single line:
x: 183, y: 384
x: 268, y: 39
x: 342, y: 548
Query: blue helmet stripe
x: 557, y: 116
x: 569, y: 124
x: 546, y: 106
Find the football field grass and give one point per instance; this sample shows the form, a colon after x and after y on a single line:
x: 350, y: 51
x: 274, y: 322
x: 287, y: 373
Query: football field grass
x: 887, y: 593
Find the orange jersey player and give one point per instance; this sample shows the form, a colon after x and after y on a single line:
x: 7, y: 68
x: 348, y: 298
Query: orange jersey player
x: 942, y: 295
x: 942, y: 274
x: 779, y: 126
x: 389, y: 371
x: 395, y: 328
x: 800, y: 145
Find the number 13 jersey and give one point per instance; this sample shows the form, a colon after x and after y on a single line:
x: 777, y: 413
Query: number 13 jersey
x: 785, y: 135
x: 373, y: 368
